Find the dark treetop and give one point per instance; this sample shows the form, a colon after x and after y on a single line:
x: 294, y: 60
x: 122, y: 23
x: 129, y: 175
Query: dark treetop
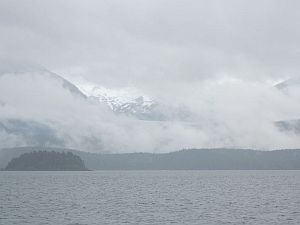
x: 47, y: 161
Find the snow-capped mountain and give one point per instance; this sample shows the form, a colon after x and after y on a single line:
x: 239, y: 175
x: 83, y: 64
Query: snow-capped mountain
x: 41, y: 108
x: 129, y: 101
x: 115, y: 98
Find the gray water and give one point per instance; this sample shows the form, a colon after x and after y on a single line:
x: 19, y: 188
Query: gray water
x: 150, y: 197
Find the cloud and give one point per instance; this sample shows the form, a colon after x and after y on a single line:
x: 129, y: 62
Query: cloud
x: 117, y: 42
x: 215, y: 59
x: 222, y: 113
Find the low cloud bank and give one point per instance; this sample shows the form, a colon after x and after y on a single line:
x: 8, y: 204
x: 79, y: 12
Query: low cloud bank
x: 225, y: 112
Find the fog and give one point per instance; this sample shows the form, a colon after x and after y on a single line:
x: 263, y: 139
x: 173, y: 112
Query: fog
x: 217, y: 61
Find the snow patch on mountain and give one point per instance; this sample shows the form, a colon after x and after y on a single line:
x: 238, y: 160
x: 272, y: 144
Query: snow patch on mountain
x: 127, y: 100
x: 116, y: 97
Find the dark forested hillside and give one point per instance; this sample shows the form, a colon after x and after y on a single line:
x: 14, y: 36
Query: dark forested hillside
x: 192, y: 159
x: 46, y: 161
x: 198, y: 159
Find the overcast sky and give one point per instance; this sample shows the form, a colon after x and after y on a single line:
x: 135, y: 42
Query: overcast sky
x: 219, y: 59
x: 134, y: 42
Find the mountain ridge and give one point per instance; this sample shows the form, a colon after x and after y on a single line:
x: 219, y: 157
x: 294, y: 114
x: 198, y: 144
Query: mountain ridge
x: 187, y: 159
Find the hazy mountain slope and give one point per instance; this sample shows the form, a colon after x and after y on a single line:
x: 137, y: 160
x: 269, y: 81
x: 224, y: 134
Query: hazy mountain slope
x: 203, y: 159
x: 290, y: 87
x: 19, y: 69
x: 35, y: 133
x: 289, y: 126
x: 33, y: 102
x: 292, y: 82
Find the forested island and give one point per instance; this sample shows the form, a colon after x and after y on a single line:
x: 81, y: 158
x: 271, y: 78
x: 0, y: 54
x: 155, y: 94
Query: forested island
x: 46, y: 161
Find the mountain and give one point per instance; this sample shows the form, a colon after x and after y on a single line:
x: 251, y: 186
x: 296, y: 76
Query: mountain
x: 289, y: 126
x: 289, y: 83
x: 290, y: 86
x: 192, y: 159
x: 198, y: 159
x: 126, y: 101
x: 131, y: 102
x: 27, y: 70
x: 41, y: 108
x: 26, y: 90
x: 35, y: 133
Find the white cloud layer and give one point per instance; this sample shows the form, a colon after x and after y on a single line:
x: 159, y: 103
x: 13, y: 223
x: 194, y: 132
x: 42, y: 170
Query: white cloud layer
x: 216, y: 59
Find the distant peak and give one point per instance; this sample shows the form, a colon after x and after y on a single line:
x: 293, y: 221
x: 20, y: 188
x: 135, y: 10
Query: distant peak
x: 287, y: 83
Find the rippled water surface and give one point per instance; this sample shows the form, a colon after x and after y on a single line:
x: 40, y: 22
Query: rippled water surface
x: 150, y: 197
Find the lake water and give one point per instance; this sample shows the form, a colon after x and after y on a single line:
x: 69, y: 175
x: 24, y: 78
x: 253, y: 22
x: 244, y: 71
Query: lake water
x: 150, y: 197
